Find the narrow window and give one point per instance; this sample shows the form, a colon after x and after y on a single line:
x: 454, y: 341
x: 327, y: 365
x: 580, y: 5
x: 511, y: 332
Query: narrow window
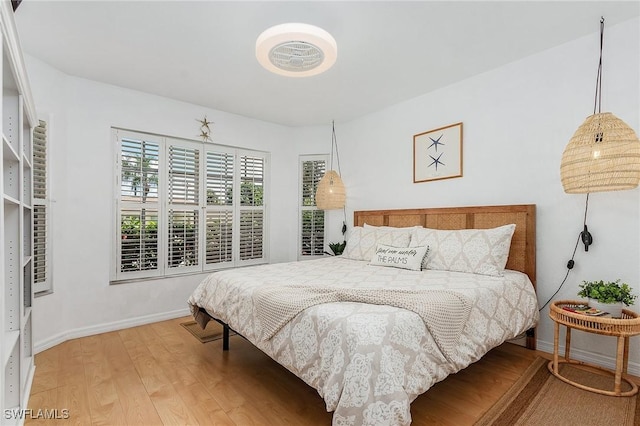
x: 312, y: 229
x: 139, y: 205
x: 251, y: 207
x: 41, y: 212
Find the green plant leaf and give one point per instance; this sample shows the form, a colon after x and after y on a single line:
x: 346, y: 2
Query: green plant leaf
x: 607, y: 292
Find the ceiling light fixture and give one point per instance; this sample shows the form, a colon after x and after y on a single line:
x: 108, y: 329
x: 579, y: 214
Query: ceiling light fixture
x: 296, y: 50
x: 331, y: 194
x: 604, y: 153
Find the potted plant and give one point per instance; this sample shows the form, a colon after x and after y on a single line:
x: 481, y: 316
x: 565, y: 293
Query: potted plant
x: 337, y: 248
x: 607, y: 296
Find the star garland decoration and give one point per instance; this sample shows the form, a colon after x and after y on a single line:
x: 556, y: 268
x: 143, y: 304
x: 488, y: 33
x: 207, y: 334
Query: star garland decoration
x: 205, y: 130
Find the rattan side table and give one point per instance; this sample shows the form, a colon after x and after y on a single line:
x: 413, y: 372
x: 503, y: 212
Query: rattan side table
x: 622, y: 328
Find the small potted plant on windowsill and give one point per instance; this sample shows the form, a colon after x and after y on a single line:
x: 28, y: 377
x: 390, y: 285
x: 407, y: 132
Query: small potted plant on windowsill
x: 607, y: 296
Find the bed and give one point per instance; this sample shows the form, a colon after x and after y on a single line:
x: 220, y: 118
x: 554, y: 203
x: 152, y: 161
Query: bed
x: 371, y: 330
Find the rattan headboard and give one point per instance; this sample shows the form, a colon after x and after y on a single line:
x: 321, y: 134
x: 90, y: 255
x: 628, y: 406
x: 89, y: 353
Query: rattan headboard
x: 522, y: 256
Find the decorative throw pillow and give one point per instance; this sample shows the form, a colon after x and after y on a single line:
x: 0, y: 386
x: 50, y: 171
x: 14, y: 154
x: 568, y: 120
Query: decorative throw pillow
x: 478, y: 251
x: 399, y: 257
x: 361, y: 242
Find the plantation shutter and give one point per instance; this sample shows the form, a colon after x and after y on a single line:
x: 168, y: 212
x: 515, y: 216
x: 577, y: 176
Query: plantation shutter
x: 252, y: 209
x: 186, y: 206
x: 40, y: 161
x: 219, y: 208
x: 41, y: 205
x: 39, y: 247
x: 139, y: 206
x: 312, y: 230
x: 183, y: 194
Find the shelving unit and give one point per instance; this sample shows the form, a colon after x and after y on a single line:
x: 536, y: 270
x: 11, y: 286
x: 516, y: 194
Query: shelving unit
x: 16, y: 225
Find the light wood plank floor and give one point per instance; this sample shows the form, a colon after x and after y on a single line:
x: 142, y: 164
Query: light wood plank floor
x: 160, y: 374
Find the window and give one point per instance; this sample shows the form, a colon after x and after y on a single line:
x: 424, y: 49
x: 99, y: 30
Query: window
x: 177, y: 209
x: 219, y: 208
x: 41, y: 211
x: 312, y: 231
x: 251, y: 207
x: 183, y: 197
x: 139, y: 205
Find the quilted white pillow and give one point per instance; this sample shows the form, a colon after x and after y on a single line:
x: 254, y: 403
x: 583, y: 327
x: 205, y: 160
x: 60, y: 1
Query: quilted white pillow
x: 478, y: 251
x: 399, y: 257
x: 362, y: 242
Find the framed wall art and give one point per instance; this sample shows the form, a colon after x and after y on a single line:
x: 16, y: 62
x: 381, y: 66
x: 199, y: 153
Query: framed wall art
x: 437, y: 154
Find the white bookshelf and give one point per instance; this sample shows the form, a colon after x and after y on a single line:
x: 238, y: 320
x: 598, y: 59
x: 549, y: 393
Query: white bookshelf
x: 16, y: 224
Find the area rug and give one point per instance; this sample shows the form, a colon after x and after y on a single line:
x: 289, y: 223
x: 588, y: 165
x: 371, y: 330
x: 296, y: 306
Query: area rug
x: 213, y: 331
x: 539, y: 398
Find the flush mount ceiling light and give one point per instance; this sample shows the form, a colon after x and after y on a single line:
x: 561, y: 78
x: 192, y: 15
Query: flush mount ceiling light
x: 296, y: 50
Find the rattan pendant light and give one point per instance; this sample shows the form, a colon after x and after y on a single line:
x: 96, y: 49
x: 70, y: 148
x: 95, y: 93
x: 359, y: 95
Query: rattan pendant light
x: 331, y: 193
x: 604, y: 153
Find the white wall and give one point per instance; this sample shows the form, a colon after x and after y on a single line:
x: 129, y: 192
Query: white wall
x: 517, y: 121
x: 82, y: 113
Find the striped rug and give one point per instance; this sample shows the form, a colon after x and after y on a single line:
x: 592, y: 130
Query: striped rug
x: 539, y: 398
x: 213, y: 331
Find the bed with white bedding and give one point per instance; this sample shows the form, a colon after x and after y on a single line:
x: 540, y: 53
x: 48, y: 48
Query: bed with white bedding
x: 371, y: 338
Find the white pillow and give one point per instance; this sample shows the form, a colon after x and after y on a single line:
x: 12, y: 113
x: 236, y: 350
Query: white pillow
x: 478, y: 251
x: 361, y: 242
x: 399, y: 257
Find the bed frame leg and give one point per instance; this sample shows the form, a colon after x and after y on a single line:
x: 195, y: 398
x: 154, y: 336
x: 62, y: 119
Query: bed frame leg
x: 531, y: 339
x: 225, y: 332
x: 225, y: 337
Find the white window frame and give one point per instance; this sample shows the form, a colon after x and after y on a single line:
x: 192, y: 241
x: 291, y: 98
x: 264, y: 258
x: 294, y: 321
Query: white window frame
x: 301, y: 208
x: 163, y: 269
x: 44, y: 287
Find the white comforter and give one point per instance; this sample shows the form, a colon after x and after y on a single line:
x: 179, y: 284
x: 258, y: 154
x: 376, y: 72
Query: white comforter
x: 369, y: 362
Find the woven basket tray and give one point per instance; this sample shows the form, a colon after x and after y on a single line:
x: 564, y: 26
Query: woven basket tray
x: 628, y: 325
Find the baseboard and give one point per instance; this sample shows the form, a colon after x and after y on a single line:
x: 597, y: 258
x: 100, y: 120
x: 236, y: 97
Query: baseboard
x: 26, y: 393
x: 106, y: 327
x: 589, y: 357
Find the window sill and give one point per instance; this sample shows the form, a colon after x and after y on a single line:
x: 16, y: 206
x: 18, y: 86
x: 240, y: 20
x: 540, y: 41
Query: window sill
x: 43, y: 293
x: 186, y: 274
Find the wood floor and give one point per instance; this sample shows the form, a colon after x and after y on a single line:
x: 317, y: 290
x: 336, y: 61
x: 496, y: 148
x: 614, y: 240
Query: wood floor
x: 159, y: 374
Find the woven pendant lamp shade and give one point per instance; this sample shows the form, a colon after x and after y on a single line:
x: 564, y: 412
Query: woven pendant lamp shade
x: 602, y: 155
x: 330, y: 194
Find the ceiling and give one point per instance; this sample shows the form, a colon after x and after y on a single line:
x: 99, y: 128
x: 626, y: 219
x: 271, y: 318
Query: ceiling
x: 202, y: 52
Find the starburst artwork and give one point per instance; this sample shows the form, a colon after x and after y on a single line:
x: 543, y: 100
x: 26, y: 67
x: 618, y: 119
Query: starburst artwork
x: 436, y: 161
x: 205, y: 130
x: 437, y: 154
x: 435, y: 142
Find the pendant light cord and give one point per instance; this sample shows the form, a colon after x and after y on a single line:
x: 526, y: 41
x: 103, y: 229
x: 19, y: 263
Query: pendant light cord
x: 571, y: 262
x: 597, y: 102
x: 585, y: 236
x: 586, y: 209
x: 334, y: 141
